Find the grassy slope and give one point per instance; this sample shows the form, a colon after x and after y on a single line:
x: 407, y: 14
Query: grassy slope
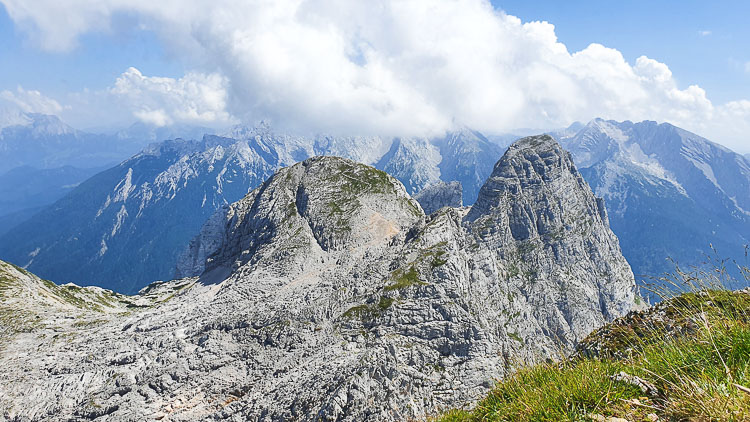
x: 694, y: 349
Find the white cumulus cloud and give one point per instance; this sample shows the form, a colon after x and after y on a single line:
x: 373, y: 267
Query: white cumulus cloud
x: 196, y: 98
x: 30, y: 101
x: 407, y: 67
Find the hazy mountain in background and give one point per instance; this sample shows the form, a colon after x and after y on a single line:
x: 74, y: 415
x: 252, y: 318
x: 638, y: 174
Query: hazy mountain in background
x: 42, y: 158
x: 128, y: 222
x: 146, y: 134
x: 44, y: 141
x: 25, y: 190
x: 464, y: 155
x: 669, y: 192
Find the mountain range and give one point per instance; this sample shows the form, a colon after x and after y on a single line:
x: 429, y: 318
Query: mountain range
x: 328, y: 294
x: 669, y: 194
x: 42, y: 158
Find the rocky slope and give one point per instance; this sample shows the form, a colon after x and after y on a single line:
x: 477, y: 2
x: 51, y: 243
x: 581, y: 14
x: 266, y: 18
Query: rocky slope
x: 133, y: 221
x: 327, y: 294
x: 669, y: 192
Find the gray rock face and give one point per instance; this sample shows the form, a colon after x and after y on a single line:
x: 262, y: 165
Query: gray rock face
x: 439, y: 195
x: 327, y: 294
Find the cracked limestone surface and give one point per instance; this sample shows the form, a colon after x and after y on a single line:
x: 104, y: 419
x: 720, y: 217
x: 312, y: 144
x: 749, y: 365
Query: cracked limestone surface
x: 327, y: 294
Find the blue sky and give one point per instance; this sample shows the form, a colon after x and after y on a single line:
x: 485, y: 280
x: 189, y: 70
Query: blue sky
x: 670, y: 31
x: 95, y: 63
x: 686, y: 62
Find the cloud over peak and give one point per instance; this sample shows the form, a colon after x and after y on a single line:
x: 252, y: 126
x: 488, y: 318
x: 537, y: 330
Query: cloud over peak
x: 30, y: 101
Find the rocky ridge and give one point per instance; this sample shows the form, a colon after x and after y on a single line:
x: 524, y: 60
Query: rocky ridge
x: 327, y: 294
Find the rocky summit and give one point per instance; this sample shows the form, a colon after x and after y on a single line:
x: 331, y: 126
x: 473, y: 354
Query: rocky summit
x: 327, y: 294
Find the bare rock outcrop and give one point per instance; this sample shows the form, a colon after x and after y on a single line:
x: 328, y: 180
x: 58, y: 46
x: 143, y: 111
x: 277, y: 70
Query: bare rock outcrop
x: 328, y: 294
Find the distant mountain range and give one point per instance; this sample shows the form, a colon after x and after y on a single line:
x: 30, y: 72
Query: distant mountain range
x: 42, y: 158
x: 669, y: 193
x: 44, y: 141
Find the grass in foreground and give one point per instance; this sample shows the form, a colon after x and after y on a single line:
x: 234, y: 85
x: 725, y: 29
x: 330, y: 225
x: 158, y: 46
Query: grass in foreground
x: 685, y: 359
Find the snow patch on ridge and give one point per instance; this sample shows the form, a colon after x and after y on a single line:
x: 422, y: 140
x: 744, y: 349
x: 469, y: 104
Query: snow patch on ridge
x: 650, y: 165
x: 125, y: 187
x: 120, y: 218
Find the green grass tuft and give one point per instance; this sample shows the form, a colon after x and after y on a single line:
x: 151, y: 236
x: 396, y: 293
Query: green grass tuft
x: 369, y: 312
x: 404, y: 279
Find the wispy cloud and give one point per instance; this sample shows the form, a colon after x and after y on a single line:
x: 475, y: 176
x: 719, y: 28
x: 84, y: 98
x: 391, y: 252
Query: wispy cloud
x: 31, y: 101
x: 704, y: 33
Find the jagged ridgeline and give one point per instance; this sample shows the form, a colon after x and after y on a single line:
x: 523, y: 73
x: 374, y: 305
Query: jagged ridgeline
x: 327, y: 294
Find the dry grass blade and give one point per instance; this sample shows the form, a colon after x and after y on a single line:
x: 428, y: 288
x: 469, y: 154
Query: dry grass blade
x: 742, y: 388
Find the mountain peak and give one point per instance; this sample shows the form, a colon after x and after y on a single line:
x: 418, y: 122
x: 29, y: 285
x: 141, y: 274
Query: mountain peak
x: 39, y: 124
x: 13, y: 117
x: 532, y: 157
x: 321, y: 204
x: 661, y: 184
